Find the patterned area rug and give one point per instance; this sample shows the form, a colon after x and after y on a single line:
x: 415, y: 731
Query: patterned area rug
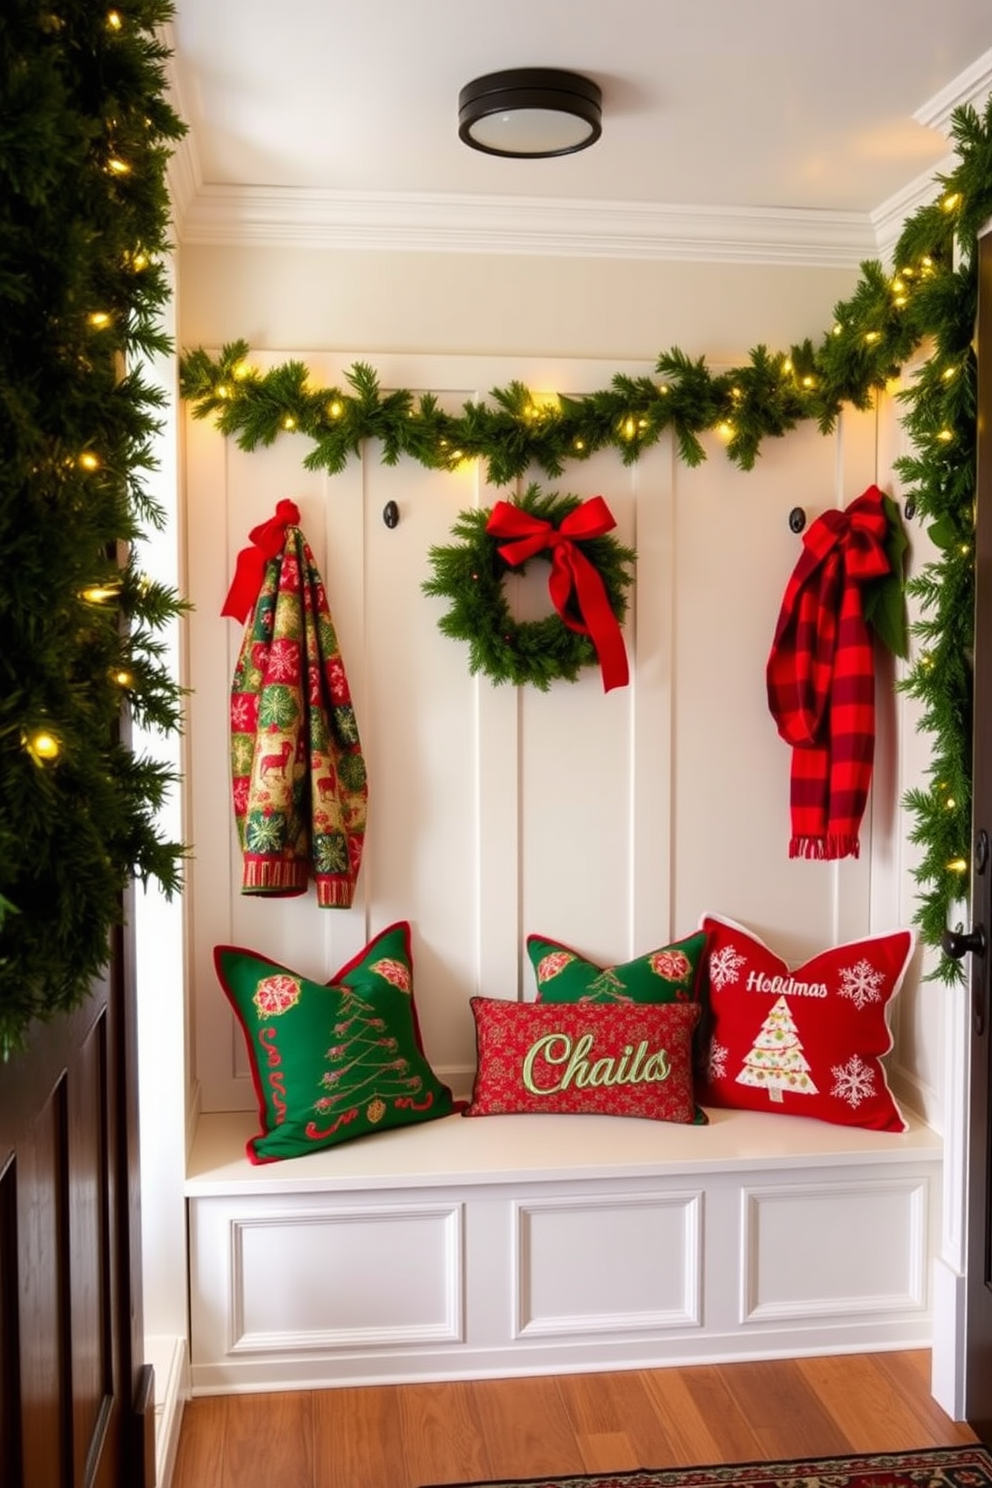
x: 940, y: 1467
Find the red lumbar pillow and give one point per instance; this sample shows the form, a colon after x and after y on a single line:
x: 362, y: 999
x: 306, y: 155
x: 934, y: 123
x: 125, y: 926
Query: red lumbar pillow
x: 589, y: 1058
x: 806, y: 1041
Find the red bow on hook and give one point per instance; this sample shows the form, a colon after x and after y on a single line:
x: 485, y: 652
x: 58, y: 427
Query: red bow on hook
x: 267, y: 541
x: 572, y: 574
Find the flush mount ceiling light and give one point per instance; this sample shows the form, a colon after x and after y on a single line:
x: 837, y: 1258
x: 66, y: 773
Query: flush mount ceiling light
x: 530, y: 112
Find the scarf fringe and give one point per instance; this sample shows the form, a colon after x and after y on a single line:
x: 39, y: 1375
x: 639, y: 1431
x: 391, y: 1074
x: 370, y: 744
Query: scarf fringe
x: 274, y: 876
x: 832, y: 846
x: 335, y: 893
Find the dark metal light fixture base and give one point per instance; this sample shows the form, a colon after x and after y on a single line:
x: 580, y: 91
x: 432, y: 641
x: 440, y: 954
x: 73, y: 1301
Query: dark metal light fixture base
x: 530, y: 113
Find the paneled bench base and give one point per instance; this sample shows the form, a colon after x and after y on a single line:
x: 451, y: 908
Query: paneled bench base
x: 515, y: 1245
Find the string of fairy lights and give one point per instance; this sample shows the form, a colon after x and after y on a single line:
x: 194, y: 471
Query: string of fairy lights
x: 924, y: 308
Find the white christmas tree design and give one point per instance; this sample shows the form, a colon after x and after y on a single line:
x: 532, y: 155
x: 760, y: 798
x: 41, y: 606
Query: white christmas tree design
x: 776, y: 1061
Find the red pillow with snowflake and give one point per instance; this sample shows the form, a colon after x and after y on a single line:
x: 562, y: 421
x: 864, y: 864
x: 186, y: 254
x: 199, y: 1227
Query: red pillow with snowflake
x: 803, y: 1041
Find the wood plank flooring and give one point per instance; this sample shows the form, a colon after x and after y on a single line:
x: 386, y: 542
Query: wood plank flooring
x: 405, y: 1436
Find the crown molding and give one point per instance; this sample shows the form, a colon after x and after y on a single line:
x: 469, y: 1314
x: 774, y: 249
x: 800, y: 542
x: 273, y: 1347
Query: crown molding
x: 889, y: 219
x: 971, y: 86
x: 281, y: 217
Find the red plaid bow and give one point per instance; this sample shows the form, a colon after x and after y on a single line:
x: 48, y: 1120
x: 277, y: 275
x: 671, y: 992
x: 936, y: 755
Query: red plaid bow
x: 821, y: 677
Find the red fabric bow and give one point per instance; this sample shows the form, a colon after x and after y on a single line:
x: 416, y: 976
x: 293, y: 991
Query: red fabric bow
x: 572, y: 574
x: 266, y: 541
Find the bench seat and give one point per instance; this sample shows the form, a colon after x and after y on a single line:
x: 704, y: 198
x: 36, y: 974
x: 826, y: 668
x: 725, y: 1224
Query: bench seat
x: 529, y: 1244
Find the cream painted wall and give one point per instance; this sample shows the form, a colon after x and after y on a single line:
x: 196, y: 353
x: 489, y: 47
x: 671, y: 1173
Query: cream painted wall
x: 507, y: 305
x: 533, y: 319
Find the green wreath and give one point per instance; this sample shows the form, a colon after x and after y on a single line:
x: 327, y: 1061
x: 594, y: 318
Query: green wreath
x: 470, y: 574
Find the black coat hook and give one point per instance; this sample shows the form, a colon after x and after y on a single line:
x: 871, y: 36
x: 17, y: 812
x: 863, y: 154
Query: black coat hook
x: 797, y: 519
x: 391, y: 514
x: 910, y: 508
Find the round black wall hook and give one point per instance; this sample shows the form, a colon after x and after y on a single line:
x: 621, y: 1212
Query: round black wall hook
x: 797, y: 519
x: 910, y: 508
x: 391, y: 514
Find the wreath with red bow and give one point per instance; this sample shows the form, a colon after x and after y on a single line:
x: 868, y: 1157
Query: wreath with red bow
x: 587, y: 584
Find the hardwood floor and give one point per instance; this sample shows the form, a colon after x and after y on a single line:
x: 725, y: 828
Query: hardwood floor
x: 405, y: 1436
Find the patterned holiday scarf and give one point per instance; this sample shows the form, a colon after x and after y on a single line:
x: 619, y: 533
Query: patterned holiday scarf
x: 821, y: 677
x: 300, y: 790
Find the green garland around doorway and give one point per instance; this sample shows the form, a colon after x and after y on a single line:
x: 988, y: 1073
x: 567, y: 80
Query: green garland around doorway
x: 926, y: 305
x: 85, y: 133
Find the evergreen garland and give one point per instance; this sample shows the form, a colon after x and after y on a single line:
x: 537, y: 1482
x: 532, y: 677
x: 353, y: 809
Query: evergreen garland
x: 929, y: 301
x: 84, y: 138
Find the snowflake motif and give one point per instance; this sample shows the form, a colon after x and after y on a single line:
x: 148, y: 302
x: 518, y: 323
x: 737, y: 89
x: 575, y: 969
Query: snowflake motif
x: 550, y: 965
x: 338, y: 682
x: 275, y: 995
x: 284, y: 661
x: 242, y: 753
x: 853, y: 1081
x: 278, y: 708
x: 674, y: 966
x: 717, y: 1069
x: 241, y: 711
x: 265, y: 833
x: 394, y: 972
x: 724, y: 967
x: 861, y: 983
x: 329, y: 854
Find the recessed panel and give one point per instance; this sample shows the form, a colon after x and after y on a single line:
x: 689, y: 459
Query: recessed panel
x: 607, y: 1264
x: 811, y: 1251
x: 318, y: 1280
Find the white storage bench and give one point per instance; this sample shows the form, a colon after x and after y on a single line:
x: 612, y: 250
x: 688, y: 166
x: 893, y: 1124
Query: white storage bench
x: 515, y: 1245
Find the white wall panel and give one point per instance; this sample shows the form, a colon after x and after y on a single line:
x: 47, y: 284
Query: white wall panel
x: 355, y: 1277
x: 609, y: 821
x: 603, y: 1264
x: 815, y: 1250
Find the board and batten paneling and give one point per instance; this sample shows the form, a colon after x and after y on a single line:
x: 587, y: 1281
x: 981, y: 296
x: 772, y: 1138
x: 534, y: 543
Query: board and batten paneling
x: 611, y: 822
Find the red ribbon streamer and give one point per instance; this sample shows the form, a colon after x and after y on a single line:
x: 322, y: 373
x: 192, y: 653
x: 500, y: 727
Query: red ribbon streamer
x: 266, y: 541
x: 571, y: 574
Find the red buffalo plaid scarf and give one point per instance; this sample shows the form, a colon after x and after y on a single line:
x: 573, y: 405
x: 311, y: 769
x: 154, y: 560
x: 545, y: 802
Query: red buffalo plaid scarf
x: 821, y: 677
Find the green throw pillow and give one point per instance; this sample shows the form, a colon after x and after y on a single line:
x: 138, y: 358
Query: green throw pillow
x: 669, y: 974
x: 330, y: 1063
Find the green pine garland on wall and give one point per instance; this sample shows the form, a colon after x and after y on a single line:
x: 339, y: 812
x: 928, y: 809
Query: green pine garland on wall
x: 927, y: 305
x: 85, y: 133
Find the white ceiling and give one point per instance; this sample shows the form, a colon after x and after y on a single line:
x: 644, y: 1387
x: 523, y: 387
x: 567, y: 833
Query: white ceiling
x: 333, y: 122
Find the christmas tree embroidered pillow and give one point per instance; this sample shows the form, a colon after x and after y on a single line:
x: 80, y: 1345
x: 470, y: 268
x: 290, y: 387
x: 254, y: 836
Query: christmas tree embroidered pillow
x: 336, y: 1061
x: 584, y: 1058
x: 670, y: 974
x: 807, y: 1041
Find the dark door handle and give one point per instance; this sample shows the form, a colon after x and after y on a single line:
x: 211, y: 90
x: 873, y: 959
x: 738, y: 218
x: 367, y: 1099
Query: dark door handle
x: 958, y: 943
